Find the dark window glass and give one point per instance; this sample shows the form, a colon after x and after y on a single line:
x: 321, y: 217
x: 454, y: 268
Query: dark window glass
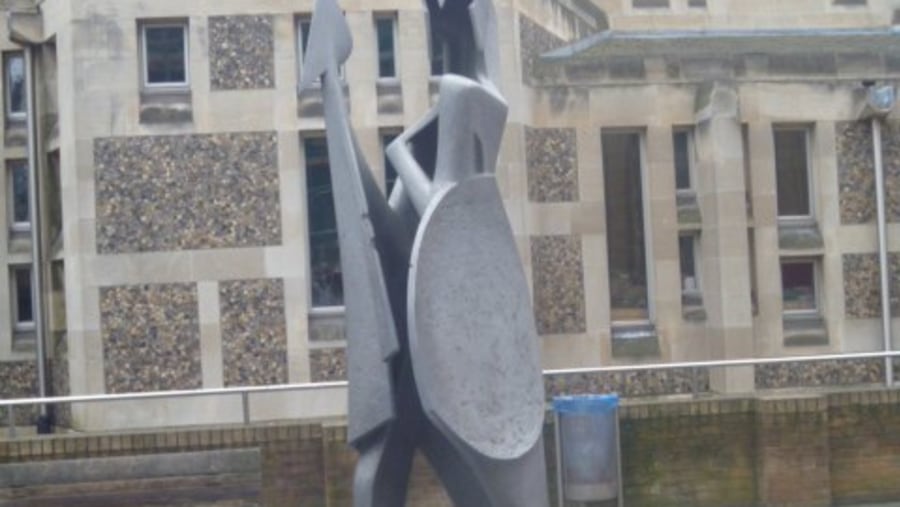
x: 304, y: 36
x: 15, y: 84
x: 19, y: 183
x: 625, y: 226
x: 324, y: 252
x: 437, y: 54
x: 385, y: 31
x: 682, y: 159
x: 688, y: 265
x: 165, y: 47
x: 792, y: 172
x: 24, y: 310
x: 798, y: 286
x: 390, y: 172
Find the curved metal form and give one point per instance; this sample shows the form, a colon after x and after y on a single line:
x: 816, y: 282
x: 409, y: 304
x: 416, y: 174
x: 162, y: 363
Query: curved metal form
x: 443, y: 351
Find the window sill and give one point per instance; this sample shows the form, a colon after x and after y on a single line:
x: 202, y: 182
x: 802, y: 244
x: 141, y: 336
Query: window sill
x: 310, y: 102
x: 804, y: 330
x: 326, y: 326
x: 390, y: 95
x: 635, y: 340
x: 16, y: 133
x: 166, y: 105
x: 799, y: 234
x: 24, y: 341
x: 692, y: 306
x: 688, y: 208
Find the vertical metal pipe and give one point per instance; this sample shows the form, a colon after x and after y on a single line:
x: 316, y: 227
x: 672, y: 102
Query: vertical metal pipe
x: 560, y: 494
x: 37, y: 273
x: 245, y: 406
x: 882, y: 252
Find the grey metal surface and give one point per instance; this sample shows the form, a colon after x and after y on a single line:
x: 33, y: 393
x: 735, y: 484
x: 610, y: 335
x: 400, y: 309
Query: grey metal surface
x: 372, y: 335
x: 472, y: 336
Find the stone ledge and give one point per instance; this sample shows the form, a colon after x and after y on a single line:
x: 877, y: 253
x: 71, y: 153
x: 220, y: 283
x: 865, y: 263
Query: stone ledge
x: 172, y: 106
x: 389, y: 93
x: 804, y: 330
x: 799, y: 236
x: 637, y: 340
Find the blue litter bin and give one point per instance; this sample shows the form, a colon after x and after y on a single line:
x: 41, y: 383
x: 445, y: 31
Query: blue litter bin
x: 587, y: 438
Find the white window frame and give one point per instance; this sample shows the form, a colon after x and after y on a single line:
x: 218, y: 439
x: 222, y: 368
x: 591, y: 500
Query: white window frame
x: 10, y: 114
x: 314, y: 310
x: 145, y: 74
x: 10, y: 198
x: 817, y: 286
x: 692, y: 156
x: 810, y: 176
x: 648, y: 237
x: 20, y: 326
x: 394, y: 19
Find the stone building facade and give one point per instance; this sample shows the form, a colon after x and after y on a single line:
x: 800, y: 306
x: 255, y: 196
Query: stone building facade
x: 188, y: 240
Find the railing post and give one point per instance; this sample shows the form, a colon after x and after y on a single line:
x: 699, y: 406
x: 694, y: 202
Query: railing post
x: 12, y: 421
x: 695, y: 388
x: 245, y: 406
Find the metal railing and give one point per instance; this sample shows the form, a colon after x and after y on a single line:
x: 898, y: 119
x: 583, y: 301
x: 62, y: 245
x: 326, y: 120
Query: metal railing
x: 245, y: 392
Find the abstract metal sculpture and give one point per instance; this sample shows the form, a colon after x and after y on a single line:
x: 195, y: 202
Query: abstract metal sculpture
x: 443, y: 352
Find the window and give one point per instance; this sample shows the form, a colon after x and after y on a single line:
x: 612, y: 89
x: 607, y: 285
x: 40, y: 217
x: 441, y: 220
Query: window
x: 17, y: 196
x: 165, y: 53
x: 798, y: 286
x: 14, y: 68
x: 23, y: 309
x: 650, y: 4
x: 626, y: 247
x: 792, y: 172
x: 438, y: 54
x: 687, y: 251
x: 324, y: 252
x: 384, y: 30
x: 683, y: 145
x: 697, y: 4
x: 390, y: 173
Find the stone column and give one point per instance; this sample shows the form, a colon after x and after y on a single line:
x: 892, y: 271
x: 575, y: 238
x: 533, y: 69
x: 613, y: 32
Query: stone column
x: 721, y: 193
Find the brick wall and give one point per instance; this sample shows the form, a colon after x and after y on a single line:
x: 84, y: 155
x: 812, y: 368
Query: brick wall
x: 813, y: 449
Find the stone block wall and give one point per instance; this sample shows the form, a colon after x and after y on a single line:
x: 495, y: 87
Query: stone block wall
x: 254, y: 336
x: 166, y: 193
x: 534, y: 40
x: 151, y: 337
x: 558, y: 277
x: 241, y: 52
x: 551, y: 156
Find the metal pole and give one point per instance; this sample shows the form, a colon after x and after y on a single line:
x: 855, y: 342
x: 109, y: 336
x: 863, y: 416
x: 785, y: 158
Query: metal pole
x: 245, y: 406
x: 560, y: 496
x: 37, y: 275
x: 882, y: 252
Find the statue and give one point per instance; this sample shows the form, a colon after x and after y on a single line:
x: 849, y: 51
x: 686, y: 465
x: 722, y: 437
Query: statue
x: 443, y: 355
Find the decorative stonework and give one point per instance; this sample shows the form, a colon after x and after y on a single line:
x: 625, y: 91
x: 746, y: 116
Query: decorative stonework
x: 827, y: 373
x: 327, y: 365
x: 534, y: 40
x: 161, y: 193
x: 18, y: 380
x: 629, y: 384
x: 558, y: 284
x: 254, y: 335
x: 151, y: 337
x: 551, y: 155
x: 856, y: 175
x: 891, y: 158
x: 241, y: 52
x: 862, y: 287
